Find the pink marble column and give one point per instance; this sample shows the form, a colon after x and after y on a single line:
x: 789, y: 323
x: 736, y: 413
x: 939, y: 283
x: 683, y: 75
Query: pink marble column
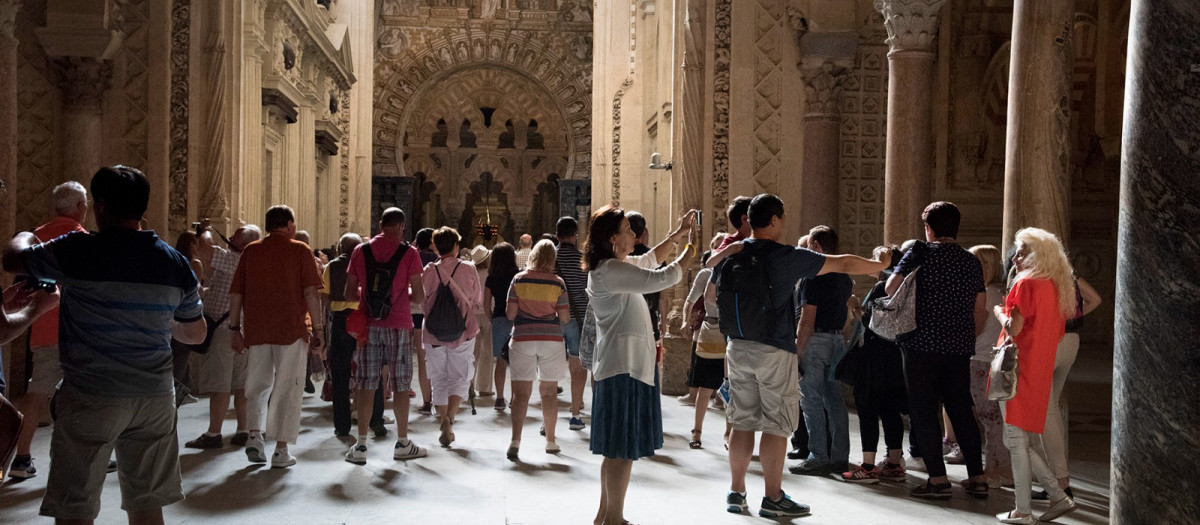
x: 912, y: 36
x: 1037, y: 185
x: 8, y: 116
x: 820, y: 180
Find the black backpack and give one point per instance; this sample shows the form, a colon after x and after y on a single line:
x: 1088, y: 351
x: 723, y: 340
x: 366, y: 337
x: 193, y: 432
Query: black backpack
x: 378, y: 287
x: 444, y: 320
x: 744, y: 296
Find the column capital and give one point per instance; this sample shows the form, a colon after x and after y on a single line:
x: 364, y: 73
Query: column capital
x: 84, y: 80
x: 8, y: 17
x: 823, y: 79
x: 911, y: 24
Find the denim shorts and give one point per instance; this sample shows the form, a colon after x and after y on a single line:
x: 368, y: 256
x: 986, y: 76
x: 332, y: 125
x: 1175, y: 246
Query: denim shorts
x: 570, y: 333
x: 501, y: 333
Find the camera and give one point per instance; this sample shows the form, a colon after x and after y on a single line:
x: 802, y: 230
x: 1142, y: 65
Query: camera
x: 200, y: 227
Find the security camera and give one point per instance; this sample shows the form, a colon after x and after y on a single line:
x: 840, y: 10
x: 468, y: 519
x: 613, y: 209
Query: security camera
x: 656, y: 162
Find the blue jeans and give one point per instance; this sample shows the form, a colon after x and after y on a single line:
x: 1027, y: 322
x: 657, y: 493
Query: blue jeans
x: 570, y: 333
x: 501, y: 333
x: 821, y: 399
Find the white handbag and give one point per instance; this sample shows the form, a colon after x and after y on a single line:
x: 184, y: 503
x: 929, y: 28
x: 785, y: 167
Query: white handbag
x: 895, y: 316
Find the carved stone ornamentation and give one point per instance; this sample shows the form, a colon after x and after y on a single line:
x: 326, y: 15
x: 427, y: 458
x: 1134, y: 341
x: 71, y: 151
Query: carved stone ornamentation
x: 616, y: 141
x: 84, y: 81
x: 911, y: 24
x: 823, y: 89
x: 177, y: 205
x: 8, y: 17
x: 213, y: 202
x: 722, y: 39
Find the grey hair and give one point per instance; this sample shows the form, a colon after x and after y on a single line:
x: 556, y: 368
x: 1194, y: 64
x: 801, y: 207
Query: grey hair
x: 67, y: 196
x: 251, y: 232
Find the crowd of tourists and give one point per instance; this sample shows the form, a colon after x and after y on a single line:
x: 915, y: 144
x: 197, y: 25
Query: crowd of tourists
x: 776, y: 331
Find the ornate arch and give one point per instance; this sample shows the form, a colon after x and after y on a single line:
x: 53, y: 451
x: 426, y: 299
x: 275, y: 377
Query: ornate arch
x: 408, y: 78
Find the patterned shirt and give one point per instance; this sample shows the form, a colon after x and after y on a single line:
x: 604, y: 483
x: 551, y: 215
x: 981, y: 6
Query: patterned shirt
x: 567, y: 266
x: 950, y: 280
x: 120, y: 291
x: 539, y: 297
x: 216, y: 296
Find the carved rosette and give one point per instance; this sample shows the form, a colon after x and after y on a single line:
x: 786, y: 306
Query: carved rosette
x: 8, y: 17
x: 84, y: 81
x: 722, y: 38
x: 911, y: 24
x: 823, y: 84
x: 177, y: 211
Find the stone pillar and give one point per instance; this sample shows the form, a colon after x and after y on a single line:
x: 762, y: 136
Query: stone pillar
x: 1155, y: 399
x: 912, y: 35
x: 84, y: 81
x: 690, y: 165
x: 8, y: 116
x: 1037, y: 185
x: 820, y: 181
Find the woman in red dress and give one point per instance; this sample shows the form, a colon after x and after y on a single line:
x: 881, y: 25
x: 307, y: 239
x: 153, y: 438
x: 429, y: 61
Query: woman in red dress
x: 1042, y: 296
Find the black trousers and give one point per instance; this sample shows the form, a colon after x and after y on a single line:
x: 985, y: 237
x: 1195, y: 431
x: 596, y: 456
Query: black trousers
x: 876, y: 405
x: 934, y: 381
x: 341, y: 354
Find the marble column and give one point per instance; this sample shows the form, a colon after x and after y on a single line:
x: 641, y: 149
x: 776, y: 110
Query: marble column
x: 820, y: 180
x: 912, y: 36
x: 84, y: 81
x: 1037, y: 184
x: 8, y: 116
x: 1156, y: 419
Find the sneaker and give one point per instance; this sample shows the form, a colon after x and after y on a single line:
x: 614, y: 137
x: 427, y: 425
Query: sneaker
x: 890, y: 473
x: 513, y: 448
x: 189, y: 399
x: 409, y: 451
x: 412, y: 393
x: 782, y: 507
x: 239, y: 439
x: 282, y: 459
x: 735, y: 502
x: 205, y: 441
x: 859, y: 474
x: 955, y: 456
x: 379, y: 430
x: 357, y: 455
x: 112, y: 466
x: 931, y: 491
x: 978, y: 489
x: 22, y: 468
x: 552, y: 448
x: 686, y: 400
x: 812, y: 468
x: 254, y: 450
x: 1058, y: 509
x: 500, y: 404
x: 916, y: 464
x: 388, y: 419
x: 426, y: 409
x: 575, y: 423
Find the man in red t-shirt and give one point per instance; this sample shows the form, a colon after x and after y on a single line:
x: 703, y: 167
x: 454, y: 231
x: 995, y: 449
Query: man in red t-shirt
x: 389, y: 339
x: 70, y: 208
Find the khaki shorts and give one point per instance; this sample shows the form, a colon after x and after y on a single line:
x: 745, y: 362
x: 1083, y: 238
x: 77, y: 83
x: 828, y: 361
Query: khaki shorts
x: 47, y: 370
x: 88, y: 429
x: 224, y: 370
x: 764, y: 394
x: 541, y: 360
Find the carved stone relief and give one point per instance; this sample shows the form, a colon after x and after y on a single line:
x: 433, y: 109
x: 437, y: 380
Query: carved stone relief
x: 134, y: 18
x: 722, y: 38
x: 911, y: 24
x: 38, y: 105
x: 768, y: 93
x: 864, y: 143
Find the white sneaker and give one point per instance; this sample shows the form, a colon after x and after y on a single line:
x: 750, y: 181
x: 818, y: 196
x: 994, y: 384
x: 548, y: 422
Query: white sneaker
x: 357, y: 454
x: 254, y: 449
x: 409, y: 451
x: 282, y: 459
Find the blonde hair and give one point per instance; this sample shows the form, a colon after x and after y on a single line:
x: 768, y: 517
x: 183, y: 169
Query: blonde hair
x: 717, y: 240
x: 541, y: 259
x: 989, y: 257
x: 1047, y: 260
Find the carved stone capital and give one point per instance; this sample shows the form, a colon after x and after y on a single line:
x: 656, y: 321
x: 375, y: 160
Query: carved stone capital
x: 823, y: 79
x: 84, y: 81
x: 8, y: 17
x: 911, y: 24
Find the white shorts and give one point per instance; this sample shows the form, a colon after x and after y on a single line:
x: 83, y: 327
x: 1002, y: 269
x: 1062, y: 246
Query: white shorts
x: 544, y: 360
x: 764, y: 395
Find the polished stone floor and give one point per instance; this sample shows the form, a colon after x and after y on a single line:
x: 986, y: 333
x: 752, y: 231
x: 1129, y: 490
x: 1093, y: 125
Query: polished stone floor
x: 473, y: 483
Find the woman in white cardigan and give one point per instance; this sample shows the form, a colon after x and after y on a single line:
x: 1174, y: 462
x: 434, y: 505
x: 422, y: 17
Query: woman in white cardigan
x: 626, y: 407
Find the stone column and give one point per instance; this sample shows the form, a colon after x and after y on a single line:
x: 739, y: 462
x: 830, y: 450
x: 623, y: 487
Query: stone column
x: 690, y: 165
x: 1155, y: 399
x: 84, y: 81
x: 822, y: 141
x: 1037, y: 185
x: 912, y: 35
x: 8, y: 116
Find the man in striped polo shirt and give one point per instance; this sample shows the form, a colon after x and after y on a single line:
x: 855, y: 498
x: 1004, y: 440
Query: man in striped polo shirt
x: 567, y: 265
x: 125, y: 294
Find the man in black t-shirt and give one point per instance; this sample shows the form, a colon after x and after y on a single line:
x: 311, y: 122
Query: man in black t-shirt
x: 821, y: 302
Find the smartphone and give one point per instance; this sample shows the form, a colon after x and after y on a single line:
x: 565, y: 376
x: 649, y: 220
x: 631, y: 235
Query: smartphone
x: 34, y: 283
x: 700, y: 220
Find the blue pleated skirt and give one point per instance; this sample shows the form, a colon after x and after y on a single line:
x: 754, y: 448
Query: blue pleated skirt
x: 626, y: 418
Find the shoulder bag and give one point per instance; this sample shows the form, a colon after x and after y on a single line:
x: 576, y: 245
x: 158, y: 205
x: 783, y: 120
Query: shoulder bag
x: 1002, y: 376
x: 895, y: 317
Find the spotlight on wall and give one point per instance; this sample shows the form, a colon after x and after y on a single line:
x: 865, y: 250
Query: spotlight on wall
x: 656, y: 162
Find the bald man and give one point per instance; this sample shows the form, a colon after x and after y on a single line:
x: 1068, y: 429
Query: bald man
x: 523, y: 251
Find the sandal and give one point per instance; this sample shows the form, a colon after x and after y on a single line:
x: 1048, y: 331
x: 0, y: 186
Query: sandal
x: 695, y: 442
